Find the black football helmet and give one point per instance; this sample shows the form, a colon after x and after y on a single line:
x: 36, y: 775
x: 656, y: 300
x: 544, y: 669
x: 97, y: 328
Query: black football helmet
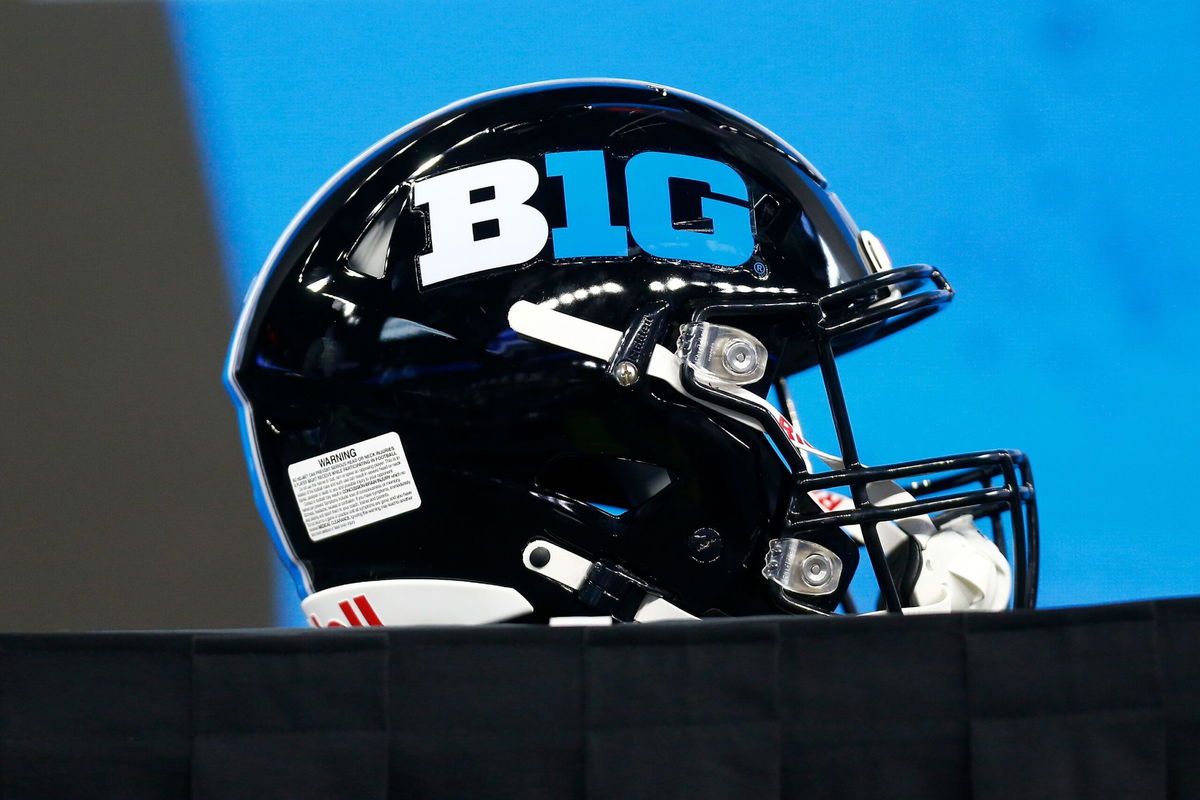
x: 516, y: 362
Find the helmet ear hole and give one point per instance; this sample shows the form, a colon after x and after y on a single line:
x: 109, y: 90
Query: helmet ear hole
x: 613, y: 485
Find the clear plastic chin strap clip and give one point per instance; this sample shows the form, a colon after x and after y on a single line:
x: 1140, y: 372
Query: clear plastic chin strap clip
x: 802, y: 567
x: 722, y: 353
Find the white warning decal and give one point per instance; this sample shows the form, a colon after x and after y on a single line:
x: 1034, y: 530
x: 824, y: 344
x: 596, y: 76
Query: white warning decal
x: 353, y: 486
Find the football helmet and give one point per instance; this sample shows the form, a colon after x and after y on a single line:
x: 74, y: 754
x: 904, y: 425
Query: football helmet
x: 527, y: 358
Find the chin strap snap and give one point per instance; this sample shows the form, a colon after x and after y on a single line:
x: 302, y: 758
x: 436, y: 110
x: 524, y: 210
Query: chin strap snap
x: 600, y: 585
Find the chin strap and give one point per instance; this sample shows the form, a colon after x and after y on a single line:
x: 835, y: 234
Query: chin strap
x: 605, y: 587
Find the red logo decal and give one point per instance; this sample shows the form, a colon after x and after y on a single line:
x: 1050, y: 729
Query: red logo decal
x: 827, y: 500
x: 352, y: 619
x: 790, y: 432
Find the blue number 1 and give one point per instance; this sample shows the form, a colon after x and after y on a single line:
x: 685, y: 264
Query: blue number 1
x: 589, y: 230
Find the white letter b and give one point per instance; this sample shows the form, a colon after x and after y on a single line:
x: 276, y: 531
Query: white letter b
x: 500, y: 189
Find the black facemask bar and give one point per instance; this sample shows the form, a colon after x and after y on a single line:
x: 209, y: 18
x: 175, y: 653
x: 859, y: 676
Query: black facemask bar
x: 885, y: 302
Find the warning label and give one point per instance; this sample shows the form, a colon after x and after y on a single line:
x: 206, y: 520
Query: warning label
x: 353, y: 486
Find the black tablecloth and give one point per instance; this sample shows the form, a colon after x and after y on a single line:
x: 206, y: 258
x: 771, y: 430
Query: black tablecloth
x: 1091, y: 702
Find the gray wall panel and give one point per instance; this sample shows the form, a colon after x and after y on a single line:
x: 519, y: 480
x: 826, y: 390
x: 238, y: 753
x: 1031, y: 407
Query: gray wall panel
x: 123, y: 498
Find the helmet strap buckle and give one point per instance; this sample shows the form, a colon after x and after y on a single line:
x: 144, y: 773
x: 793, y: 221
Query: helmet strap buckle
x: 613, y: 591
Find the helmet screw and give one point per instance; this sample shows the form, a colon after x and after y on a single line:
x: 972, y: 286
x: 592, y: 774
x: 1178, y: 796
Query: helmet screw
x: 816, y: 570
x: 705, y: 545
x: 539, y: 557
x: 740, y: 358
x: 626, y: 373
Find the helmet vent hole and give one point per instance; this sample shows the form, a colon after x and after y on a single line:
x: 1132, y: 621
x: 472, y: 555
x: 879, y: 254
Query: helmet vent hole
x: 614, y: 486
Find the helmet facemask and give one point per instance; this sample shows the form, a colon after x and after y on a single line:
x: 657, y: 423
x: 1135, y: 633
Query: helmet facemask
x: 812, y: 553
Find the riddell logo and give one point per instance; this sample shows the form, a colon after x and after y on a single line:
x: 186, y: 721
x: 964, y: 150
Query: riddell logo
x: 790, y: 432
x: 830, y: 501
x: 369, y: 617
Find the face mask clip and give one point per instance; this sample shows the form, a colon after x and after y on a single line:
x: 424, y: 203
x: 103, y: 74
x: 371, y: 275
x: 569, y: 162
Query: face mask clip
x: 802, y: 567
x: 631, y: 360
x: 721, y: 353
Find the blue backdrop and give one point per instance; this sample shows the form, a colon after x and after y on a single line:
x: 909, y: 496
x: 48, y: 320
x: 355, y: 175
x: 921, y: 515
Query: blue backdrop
x: 1043, y: 154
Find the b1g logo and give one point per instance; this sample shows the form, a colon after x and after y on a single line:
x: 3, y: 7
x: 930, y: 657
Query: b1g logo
x: 480, y: 220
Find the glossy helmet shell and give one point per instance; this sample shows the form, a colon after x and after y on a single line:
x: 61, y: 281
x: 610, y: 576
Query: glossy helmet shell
x: 510, y: 439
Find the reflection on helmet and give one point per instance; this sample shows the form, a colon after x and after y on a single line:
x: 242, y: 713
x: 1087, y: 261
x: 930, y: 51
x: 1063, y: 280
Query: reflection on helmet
x: 513, y: 363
